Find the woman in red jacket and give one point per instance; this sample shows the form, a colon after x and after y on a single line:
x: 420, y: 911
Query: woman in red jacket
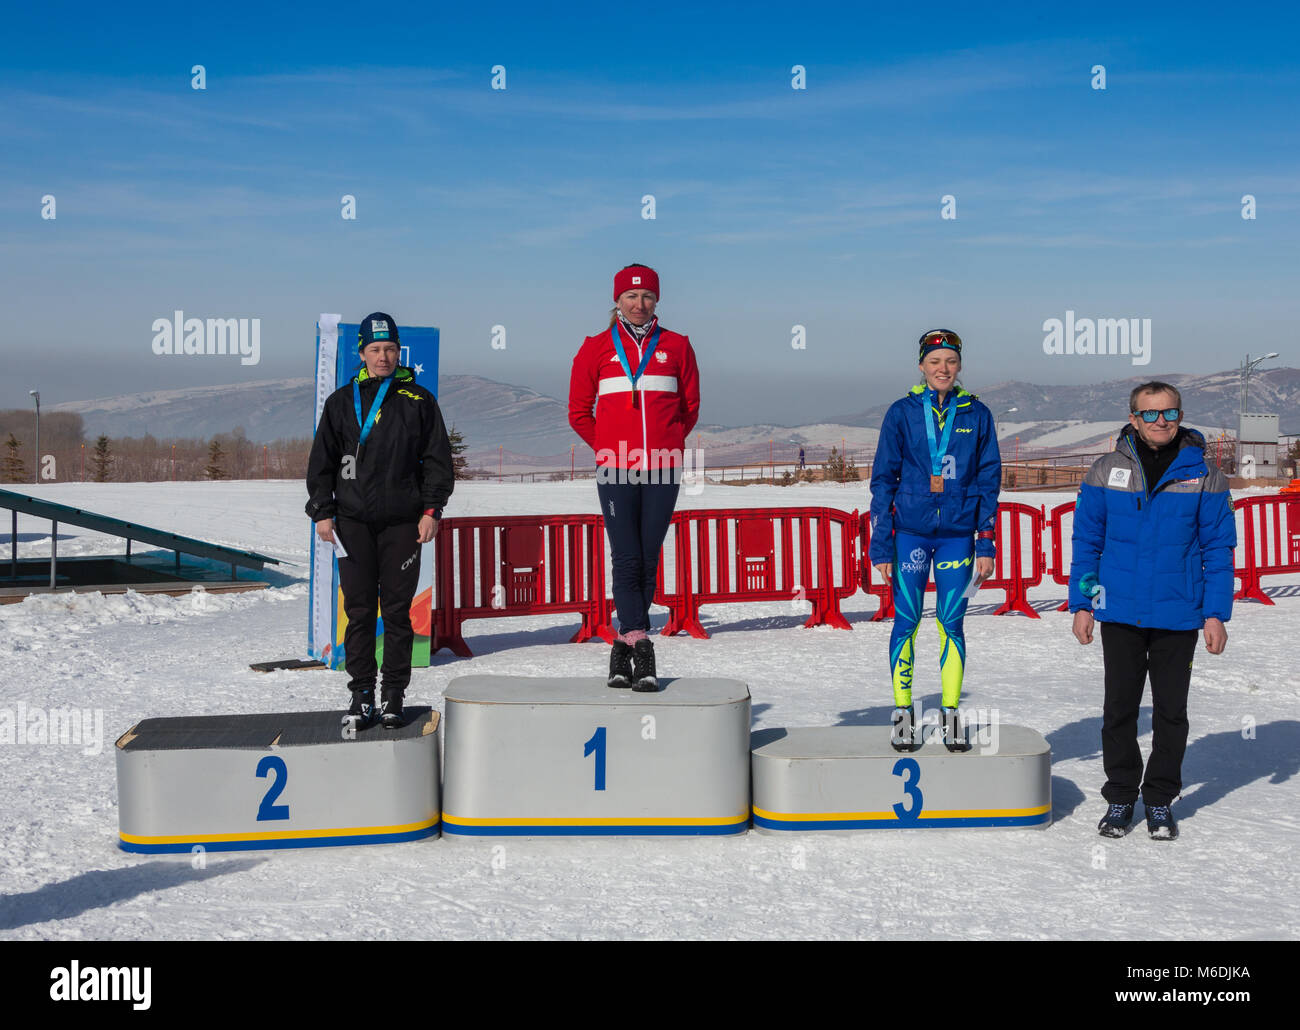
x: 643, y: 383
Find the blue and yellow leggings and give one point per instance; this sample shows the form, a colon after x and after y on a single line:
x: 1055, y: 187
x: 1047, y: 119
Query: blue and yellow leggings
x: 954, y: 563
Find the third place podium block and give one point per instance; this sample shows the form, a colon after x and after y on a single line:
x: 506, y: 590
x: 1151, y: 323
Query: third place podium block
x: 534, y: 757
x: 849, y: 778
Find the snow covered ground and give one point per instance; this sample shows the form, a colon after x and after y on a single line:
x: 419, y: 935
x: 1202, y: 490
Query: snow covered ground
x: 1232, y: 874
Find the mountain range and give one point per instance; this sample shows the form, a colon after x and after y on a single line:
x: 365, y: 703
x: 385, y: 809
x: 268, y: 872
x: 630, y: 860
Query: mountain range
x: 518, y: 427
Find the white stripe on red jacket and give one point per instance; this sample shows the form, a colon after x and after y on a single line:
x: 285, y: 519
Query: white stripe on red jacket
x: 642, y: 429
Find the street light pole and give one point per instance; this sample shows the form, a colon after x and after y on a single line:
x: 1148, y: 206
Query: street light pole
x: 1247, y: 367
x: 36, y: 471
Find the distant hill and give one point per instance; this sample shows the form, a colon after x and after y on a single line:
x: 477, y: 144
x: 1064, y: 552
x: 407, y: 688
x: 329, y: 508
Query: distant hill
x: 1209, y: 400
x: 514, y: 416
x: 532, y: 429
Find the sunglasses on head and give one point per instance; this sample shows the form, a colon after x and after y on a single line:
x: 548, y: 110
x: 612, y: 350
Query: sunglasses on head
x: 943, y: 336
x: 1170, y: 414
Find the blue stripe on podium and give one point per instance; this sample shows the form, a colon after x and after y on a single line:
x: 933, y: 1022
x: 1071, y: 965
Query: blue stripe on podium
x: 881, y: 821
x: 501, y: 828
x: 254, y: 842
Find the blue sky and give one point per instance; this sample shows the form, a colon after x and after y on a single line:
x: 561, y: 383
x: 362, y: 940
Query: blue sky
x: 774, y: 207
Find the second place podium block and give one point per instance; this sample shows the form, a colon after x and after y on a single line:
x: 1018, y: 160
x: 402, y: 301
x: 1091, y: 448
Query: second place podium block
x: 535, y: 757
x: 281, y: 780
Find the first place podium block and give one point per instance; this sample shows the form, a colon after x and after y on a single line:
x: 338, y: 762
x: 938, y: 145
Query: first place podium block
x: 849, y: 778
x: 292, y: 780
x: 536, y: 757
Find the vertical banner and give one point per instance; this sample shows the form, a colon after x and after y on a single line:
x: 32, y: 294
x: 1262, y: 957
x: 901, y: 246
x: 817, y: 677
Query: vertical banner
x: 336, y: 363
x: 324, y: 572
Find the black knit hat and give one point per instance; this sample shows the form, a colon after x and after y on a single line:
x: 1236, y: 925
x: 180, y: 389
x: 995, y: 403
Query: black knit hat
x: 379, y: 327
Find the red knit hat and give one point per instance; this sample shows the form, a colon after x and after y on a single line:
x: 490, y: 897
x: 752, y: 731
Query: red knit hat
x: 636, y: 277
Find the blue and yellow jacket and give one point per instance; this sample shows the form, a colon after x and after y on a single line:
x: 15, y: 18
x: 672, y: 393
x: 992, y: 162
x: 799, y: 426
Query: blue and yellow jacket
x: 900, y: 474
x: 1154, y: 555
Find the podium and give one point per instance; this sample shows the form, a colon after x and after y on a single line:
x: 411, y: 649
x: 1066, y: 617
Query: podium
x: 289, y: 780
x: 849, y: 778
x: 542, y: 757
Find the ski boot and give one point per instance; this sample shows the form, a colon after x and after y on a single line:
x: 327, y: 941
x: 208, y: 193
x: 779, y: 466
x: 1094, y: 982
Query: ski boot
x: 954, y: 733
x: 902, y: 735
x: 1160, y: 823
x: 390, y: 708
x: 620, y: 665
x: 1116, y: 821
x: 643, y: 666
x: 362, y: 712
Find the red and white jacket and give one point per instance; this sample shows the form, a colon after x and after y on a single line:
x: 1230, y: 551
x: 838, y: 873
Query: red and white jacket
x: 643, y: 428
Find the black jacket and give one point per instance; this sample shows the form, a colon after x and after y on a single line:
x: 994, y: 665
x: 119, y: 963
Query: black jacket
x: 404, y: 468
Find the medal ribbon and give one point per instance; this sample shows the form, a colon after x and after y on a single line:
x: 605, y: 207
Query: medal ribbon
x: 938, y: 451
x: 622, y: 357
x: 369, y: 422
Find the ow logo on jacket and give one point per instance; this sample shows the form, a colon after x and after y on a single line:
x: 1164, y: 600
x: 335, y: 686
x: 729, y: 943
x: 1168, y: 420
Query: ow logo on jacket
x: 1163, y: 558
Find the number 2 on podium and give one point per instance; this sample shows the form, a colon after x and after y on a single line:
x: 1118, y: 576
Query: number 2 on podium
x: 268, y: 809
x: 597, y: 744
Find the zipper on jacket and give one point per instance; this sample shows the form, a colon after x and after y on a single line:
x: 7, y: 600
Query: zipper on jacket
x: 1143, y: 472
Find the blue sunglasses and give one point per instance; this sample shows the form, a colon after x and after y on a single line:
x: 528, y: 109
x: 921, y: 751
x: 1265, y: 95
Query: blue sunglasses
x: 1170, y: 414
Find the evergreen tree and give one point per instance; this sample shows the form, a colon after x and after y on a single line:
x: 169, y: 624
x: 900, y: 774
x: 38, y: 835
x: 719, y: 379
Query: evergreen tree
x: 215, y: 457
x: 101, y: 460
x: 15, y: 471
x: 459, y: 463
x: 840, y: 467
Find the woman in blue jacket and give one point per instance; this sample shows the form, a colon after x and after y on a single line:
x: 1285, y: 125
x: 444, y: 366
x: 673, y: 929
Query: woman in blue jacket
x: 934, y: 500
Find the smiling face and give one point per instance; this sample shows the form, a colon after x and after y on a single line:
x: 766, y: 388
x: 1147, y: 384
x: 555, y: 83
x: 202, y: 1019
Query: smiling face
x: 637, y: 306
x: 1159, y: 432
x: 380, y: 358
x: 940, y: 368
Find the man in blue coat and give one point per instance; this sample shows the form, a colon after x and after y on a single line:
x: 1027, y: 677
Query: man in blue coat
x: 1152, y: 561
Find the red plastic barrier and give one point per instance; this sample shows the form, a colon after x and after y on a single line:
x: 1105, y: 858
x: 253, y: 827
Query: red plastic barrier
x: 519, y: 565
x: 867, y: 573
x: 1017, y: 546
x: 1057, y: 567
x: 724, y: 556
x: 536, y: 565
x: 1268, y: 542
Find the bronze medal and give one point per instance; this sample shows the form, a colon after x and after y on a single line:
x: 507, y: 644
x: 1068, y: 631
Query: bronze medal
x: 936, y: 484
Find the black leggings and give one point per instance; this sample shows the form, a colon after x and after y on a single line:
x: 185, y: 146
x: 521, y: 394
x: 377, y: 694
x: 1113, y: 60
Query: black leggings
x: 637, y: 516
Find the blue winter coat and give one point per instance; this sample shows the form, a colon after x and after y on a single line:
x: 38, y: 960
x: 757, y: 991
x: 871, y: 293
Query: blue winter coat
x: 1161, y: 561
x: 900, y: 475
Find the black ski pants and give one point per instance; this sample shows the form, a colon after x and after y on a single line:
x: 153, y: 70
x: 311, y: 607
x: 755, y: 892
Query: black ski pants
x: 1130, y: 653
x: 383, y: 562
